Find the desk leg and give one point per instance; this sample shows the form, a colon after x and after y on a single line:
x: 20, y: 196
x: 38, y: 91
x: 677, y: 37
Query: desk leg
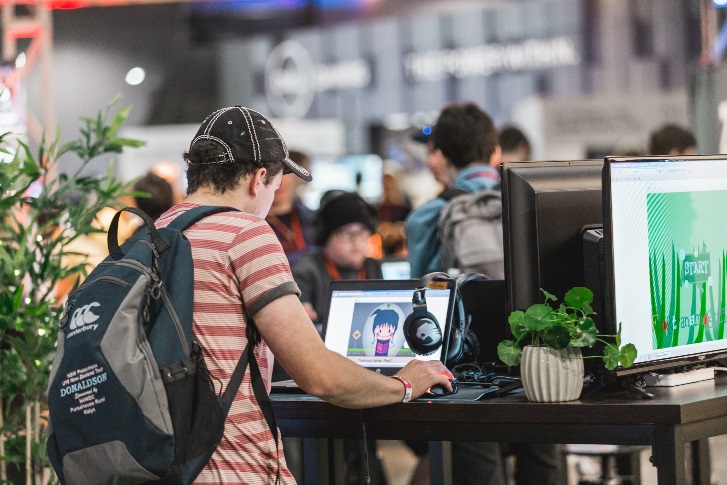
x: 310, y: 461
x: 701, y: 466
x: 668, y: 454
x: 440, y: 463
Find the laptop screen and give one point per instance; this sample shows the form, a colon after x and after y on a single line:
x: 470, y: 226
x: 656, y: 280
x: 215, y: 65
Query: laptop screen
x: 395, y: 269
x: 366, y: 321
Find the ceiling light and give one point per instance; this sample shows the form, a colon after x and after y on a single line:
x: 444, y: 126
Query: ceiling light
x: 135, y: 76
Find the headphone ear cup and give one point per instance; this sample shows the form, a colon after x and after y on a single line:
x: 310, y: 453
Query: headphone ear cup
x: 471, y: 348
x: 422, y: 332
x: 457, y: 336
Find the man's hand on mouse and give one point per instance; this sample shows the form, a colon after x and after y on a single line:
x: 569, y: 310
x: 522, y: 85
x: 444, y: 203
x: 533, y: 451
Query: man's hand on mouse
x: 424, y: 374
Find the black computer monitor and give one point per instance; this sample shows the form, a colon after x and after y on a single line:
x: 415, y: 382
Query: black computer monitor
x: 546, y: 207
x: 666, y: 258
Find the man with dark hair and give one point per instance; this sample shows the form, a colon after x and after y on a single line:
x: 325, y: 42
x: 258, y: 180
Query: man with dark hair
x: 241, y: 275
x: 465, y: 140
x: 160, y: 195
x: 515, y: 145
x: 671, y: 139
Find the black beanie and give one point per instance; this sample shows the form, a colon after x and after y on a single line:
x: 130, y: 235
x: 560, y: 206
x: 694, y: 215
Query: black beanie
x: 339, y: 208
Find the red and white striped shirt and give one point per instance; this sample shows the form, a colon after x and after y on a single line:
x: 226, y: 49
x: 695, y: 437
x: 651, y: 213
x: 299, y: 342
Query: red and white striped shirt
x: 239, y: 267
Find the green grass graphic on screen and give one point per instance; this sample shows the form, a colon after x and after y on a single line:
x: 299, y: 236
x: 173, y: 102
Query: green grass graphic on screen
x: 687, y: 267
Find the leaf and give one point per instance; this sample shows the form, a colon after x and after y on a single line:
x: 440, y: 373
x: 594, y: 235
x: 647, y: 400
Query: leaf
x: 509, y: 352
x: 628, y: 354
x: 548, y: 296
x: 586, y: 334
x: 556, y: 337
x: 516, y: 324
x: 538, y: 317
x: 611, y: 356
x: 580, y: 298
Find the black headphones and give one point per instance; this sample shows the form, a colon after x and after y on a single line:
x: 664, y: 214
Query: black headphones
x: 421, y: 328
x: 423, y: 333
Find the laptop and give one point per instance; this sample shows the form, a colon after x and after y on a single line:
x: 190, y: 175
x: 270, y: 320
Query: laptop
x: 357, y: 306
x: 395, y: 268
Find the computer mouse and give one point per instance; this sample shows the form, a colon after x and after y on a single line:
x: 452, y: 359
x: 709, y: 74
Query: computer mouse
x: 438, y: 390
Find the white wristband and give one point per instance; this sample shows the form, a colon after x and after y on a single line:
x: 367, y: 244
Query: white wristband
x: 407, y: 388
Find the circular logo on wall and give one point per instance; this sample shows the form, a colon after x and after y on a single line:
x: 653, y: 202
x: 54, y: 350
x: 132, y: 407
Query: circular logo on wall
x: 290, y: 79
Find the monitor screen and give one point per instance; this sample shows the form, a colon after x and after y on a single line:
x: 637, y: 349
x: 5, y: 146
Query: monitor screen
x: 546, y: 206
x: 395, y: 268
x: 665, y: 257
x: 353, y: 173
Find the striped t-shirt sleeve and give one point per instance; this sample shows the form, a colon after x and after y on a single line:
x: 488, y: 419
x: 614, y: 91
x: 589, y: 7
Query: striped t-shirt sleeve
x: 260, y: 266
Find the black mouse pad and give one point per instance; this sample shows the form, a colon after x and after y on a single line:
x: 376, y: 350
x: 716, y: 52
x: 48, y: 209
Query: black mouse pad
x: 471, y: 393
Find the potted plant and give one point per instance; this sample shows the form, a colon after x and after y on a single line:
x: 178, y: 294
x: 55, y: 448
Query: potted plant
x: 42, y: 212
x: 551, y: 362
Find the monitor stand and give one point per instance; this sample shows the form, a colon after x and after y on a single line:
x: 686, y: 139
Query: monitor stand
x: 631, y: 383
x: 654, y: 379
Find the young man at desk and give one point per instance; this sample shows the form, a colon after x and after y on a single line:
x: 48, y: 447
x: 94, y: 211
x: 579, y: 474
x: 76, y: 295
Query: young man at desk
x: 238, y: 159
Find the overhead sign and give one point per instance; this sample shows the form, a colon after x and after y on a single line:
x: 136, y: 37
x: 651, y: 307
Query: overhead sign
x: 488, y: 59
x: 292, y: 78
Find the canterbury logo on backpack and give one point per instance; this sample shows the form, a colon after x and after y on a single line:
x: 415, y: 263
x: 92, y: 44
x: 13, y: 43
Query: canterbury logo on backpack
x: 130, y: 398
x: 83, y: 316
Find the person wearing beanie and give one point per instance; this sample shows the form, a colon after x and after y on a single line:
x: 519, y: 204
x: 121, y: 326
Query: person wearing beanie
x: 342, y: 226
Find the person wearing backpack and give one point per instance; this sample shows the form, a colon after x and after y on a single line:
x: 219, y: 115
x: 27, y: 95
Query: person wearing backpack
x: 464, y: 142
x: 241, y: 275
x: 460, y: 231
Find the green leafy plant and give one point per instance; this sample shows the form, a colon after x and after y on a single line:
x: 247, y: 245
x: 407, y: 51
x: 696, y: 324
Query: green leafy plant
x: 567, y: 325
x: 43, y: 211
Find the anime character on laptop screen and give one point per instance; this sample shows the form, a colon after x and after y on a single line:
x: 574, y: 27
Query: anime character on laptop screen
x: 366, y: 321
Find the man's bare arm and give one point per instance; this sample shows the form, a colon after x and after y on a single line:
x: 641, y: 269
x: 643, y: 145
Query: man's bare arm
x: 288, y: 331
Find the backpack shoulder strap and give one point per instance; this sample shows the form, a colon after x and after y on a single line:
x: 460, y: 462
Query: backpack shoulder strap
x: 196, y: 214
x: 451, y: 192
x: 112, y: 239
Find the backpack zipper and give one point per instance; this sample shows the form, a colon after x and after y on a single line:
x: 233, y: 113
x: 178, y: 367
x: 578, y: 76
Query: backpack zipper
x: 167, y: 302
x: 72, y: 297
x: 175, y: 318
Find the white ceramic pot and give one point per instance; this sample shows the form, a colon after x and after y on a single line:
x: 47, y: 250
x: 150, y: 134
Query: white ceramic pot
x: 552, y: 375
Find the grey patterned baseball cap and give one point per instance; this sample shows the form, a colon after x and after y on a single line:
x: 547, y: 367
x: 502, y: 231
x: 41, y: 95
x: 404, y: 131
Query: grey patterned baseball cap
x: 246, y: 136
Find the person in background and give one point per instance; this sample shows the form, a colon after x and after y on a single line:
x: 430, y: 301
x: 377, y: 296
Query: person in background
x: 515, y: 145
x: 343, y: 224
x: 391, y: 211
x: 172, y: 173
x: 463, y: 153
x: 158, y: 198
x: 290, y: 219
x: 394, y: 205
x: 671, y: 139
x: 466, y: 142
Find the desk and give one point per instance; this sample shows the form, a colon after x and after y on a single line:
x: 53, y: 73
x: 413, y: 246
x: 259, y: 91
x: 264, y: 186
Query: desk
x: 673, y: 418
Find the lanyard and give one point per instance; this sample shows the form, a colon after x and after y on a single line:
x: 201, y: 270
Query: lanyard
x: 336, y: 275
x: 291, y: 238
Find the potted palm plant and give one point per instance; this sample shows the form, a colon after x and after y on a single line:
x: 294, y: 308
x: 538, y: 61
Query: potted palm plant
x: 551, y: 362
x: 42, y: 212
